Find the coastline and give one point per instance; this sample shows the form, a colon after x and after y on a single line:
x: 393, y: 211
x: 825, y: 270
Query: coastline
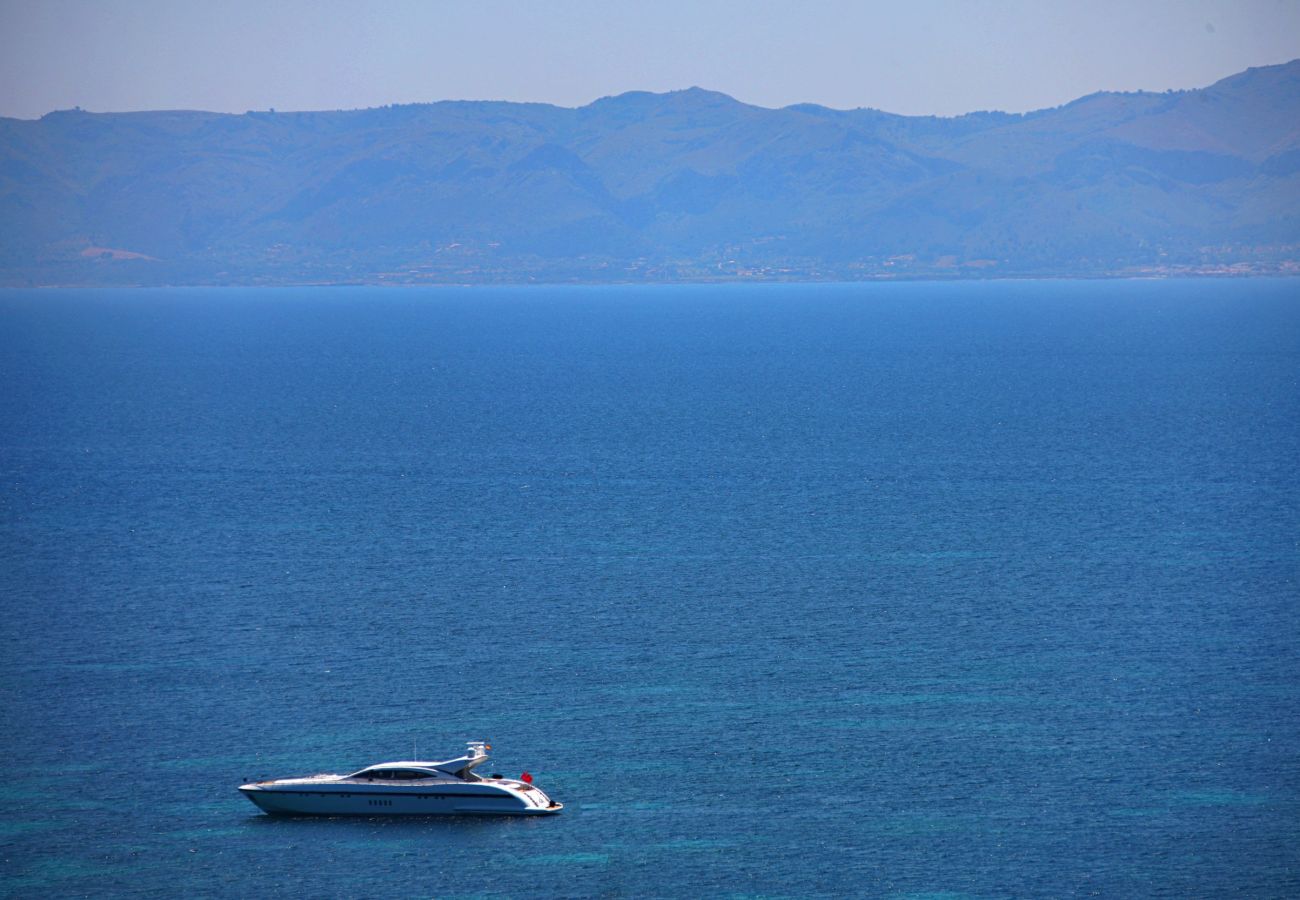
x: 509, y: 278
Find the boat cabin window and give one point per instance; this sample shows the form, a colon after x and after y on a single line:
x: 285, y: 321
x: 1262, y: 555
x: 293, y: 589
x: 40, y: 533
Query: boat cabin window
x: 392, y: 774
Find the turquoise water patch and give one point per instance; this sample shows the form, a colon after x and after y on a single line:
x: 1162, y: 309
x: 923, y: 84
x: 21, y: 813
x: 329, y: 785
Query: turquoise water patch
x: 10, y: 794
x: 569, y: 859
x: 648, y: 690
x: 630, y: 805
x: 1222, y: 797
x: 1139, y: 813
x: 199, y: 834
x: 49, y: 872
x: 693, y: 844
x: 918, y: 825
x: 230, y: 762
x: 867, y: 698
x: 13, y: 829
x: 869, y: 723
x: 920, y: 558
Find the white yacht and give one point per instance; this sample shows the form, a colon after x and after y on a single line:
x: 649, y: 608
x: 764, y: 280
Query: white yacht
x: 405, y: 788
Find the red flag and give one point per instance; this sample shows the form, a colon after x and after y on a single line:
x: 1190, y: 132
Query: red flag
x: 526, y: 778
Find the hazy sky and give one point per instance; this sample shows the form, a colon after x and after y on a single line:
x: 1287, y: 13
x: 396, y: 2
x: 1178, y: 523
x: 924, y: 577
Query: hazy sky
x: 924, y: 56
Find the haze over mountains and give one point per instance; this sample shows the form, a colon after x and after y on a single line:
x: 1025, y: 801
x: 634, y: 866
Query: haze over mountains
x: 681, y: 186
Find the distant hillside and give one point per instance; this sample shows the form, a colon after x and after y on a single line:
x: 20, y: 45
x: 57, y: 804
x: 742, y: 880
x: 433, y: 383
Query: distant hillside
x: 686, y: 185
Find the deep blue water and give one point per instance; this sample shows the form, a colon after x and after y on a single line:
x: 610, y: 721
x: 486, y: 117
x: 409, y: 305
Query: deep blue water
x: 920, y: 589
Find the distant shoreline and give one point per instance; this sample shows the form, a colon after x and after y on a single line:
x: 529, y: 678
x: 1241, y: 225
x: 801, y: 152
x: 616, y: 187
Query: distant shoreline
x: 687, y: 187
x: 721, y: 281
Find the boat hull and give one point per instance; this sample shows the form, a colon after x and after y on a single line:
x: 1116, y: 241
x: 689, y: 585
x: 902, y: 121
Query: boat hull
x: 301, y: 802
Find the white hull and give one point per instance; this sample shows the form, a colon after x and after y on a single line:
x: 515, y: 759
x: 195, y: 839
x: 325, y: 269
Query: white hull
x: 448, y: 788
x: 440, y: 801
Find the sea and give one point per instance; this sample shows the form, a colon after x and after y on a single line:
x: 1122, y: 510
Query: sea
x: 942, y: 590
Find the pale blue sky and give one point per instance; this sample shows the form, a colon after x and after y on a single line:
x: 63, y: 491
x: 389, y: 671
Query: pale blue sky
x: 924, y: 57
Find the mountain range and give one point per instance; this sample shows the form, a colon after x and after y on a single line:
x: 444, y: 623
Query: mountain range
x: 688, y: 185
